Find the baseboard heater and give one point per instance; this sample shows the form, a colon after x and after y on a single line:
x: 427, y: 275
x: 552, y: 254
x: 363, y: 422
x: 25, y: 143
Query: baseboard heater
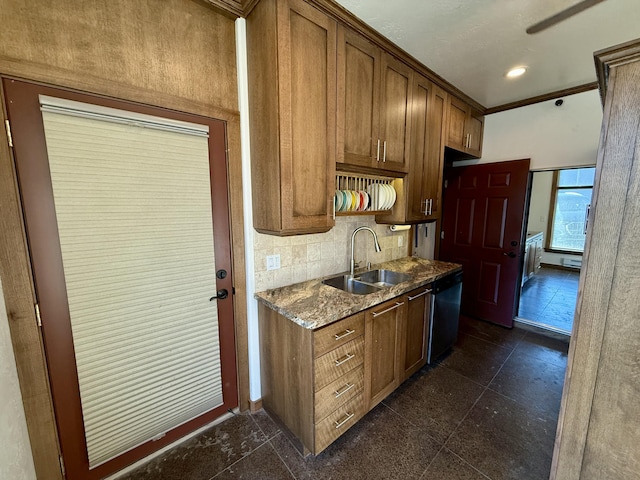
x: 572, y: 262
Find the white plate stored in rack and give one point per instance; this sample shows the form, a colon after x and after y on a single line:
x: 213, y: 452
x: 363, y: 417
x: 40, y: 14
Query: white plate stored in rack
x: 378, y: 193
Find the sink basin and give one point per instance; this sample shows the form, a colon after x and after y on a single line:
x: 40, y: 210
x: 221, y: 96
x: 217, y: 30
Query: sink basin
x: 382, y: 278
x: 367, y: 282
x: 349, y: 284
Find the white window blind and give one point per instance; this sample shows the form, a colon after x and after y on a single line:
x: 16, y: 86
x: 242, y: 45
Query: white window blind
x: 133, y: 203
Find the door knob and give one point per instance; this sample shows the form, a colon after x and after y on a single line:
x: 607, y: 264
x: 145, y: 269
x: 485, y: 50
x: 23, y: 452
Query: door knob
x: 510, y: 254
x: 220, y: 295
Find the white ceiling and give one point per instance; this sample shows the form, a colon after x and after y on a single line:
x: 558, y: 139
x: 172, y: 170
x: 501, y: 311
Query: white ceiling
x: 473, y: 43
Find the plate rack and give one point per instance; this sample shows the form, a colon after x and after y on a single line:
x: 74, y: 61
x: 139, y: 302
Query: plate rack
x: 362, y: 182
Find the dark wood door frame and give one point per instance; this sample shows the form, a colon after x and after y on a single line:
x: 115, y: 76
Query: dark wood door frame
x: 18, y: 286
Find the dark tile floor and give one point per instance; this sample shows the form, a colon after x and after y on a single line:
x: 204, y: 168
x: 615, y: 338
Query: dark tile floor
x: 487, y: 410
x: 549, y: 298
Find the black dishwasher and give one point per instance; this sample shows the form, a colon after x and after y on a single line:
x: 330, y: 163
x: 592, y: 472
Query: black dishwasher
x: 445, y: 314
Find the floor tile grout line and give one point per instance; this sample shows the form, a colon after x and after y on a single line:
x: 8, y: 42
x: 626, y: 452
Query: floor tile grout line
x: 524, y: 405
x: 432, y: 460
x: 413, y: 424
x: 280, y: 457
x: 237, y: 461
x: 478, y: 399
x: 470, y: 464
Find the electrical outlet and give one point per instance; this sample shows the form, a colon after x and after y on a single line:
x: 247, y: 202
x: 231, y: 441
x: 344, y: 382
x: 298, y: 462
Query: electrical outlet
x: 400, y: 241
x: 273, y: 262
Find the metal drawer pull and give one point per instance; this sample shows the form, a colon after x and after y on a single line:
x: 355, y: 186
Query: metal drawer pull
x: 419, y: 295
x: 347, y: 417
x: 375, y: 314
x: 384, y: 154
x: 344, y: 359
x: 346, y: 333
x: 378, y: 154
x: 343, y: 390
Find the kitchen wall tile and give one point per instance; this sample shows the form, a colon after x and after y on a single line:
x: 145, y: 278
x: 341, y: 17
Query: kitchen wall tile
x: 262, y: 241
x: 299, y: 254
x: 305, y: 257
x: 314, y: 252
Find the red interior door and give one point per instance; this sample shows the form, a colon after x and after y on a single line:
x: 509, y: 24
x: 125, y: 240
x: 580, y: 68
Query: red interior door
x: 483, y: 228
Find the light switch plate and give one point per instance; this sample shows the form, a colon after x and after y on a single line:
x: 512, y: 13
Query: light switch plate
x: 273, y: 262
x: 400, y: 241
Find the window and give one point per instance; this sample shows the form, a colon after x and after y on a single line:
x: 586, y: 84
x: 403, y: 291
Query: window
x: 571, y: 199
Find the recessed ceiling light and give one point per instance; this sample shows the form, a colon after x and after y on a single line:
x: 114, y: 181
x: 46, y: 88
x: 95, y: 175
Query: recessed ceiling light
x: 516, y: 72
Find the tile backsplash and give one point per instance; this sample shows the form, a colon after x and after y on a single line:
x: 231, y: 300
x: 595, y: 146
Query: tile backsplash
x: 305, y: 257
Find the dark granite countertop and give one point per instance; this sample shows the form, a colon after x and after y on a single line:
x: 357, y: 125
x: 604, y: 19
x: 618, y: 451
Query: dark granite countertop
x: 312, y: 304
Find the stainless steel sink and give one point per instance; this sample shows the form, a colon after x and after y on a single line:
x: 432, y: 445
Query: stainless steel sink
x: 349, y: 284
x: 382, y: 278
x: 367, y: 282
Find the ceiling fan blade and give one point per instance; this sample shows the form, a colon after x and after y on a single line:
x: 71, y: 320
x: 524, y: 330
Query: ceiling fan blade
x: 563, y: 15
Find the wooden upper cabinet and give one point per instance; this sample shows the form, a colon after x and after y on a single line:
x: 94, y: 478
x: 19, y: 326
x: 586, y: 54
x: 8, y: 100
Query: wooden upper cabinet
x: 358, y: 98
x: 292, y: 113
x: 395, y: 114
x: 374, y: 99
x: 422, y: 187
x: 465, y: 128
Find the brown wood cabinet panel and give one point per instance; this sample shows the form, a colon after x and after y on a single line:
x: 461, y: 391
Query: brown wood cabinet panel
x: 374, y: 105
x: 336, y: 363
x: 395, y: 119
x: 416, y: 332
x: 475, y: 129
x: 358, y: 98
x: 292, y: 101
x: 421, y: 196
x: 458, y: 111
x: 338, y: 333
x: 465, y: 128
x: 338, y: 422
x: 286, y: 372
x: 338, y: 392
x: 383, y: 326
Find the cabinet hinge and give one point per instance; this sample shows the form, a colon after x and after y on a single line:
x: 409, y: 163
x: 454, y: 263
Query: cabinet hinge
x: 7, y: 125
x: 38, y: 317
x: 446, y: 183
x: 442, y: 235
x: 64, y: 473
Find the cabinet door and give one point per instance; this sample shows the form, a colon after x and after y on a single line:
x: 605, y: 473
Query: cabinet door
x: 416, y: 331
x: 474, y: 130
x: 434, y: 162
x: 383, y: 329
x: 307, y: 101
x: 456, y: 131
x: 419, y: 148
x: 358, y: 99
x: 395, y: 119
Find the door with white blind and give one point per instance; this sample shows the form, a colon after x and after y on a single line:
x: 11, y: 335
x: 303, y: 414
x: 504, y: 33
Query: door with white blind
x: 127, y: 219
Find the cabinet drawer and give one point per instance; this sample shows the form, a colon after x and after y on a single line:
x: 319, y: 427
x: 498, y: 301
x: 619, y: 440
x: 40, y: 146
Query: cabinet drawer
x: 336, y: 393
x: 338, y: 333
x: 338, y: 422
x: 336, y: 363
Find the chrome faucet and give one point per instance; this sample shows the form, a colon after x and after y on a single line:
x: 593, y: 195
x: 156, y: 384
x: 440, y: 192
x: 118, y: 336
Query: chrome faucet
x: 353, y: 236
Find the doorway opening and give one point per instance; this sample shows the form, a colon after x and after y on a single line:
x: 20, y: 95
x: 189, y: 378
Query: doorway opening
x: 556, y: 231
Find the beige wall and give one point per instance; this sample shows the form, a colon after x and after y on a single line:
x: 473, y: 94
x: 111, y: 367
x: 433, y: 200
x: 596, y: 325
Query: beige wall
x: 305, y: 257
x: 16, y: 462
x: 552, y: 137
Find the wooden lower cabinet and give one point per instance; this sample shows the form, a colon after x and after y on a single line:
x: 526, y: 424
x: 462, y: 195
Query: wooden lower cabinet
x: 319, y: 383
x: 383, y: 342
x: 416, y: 331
